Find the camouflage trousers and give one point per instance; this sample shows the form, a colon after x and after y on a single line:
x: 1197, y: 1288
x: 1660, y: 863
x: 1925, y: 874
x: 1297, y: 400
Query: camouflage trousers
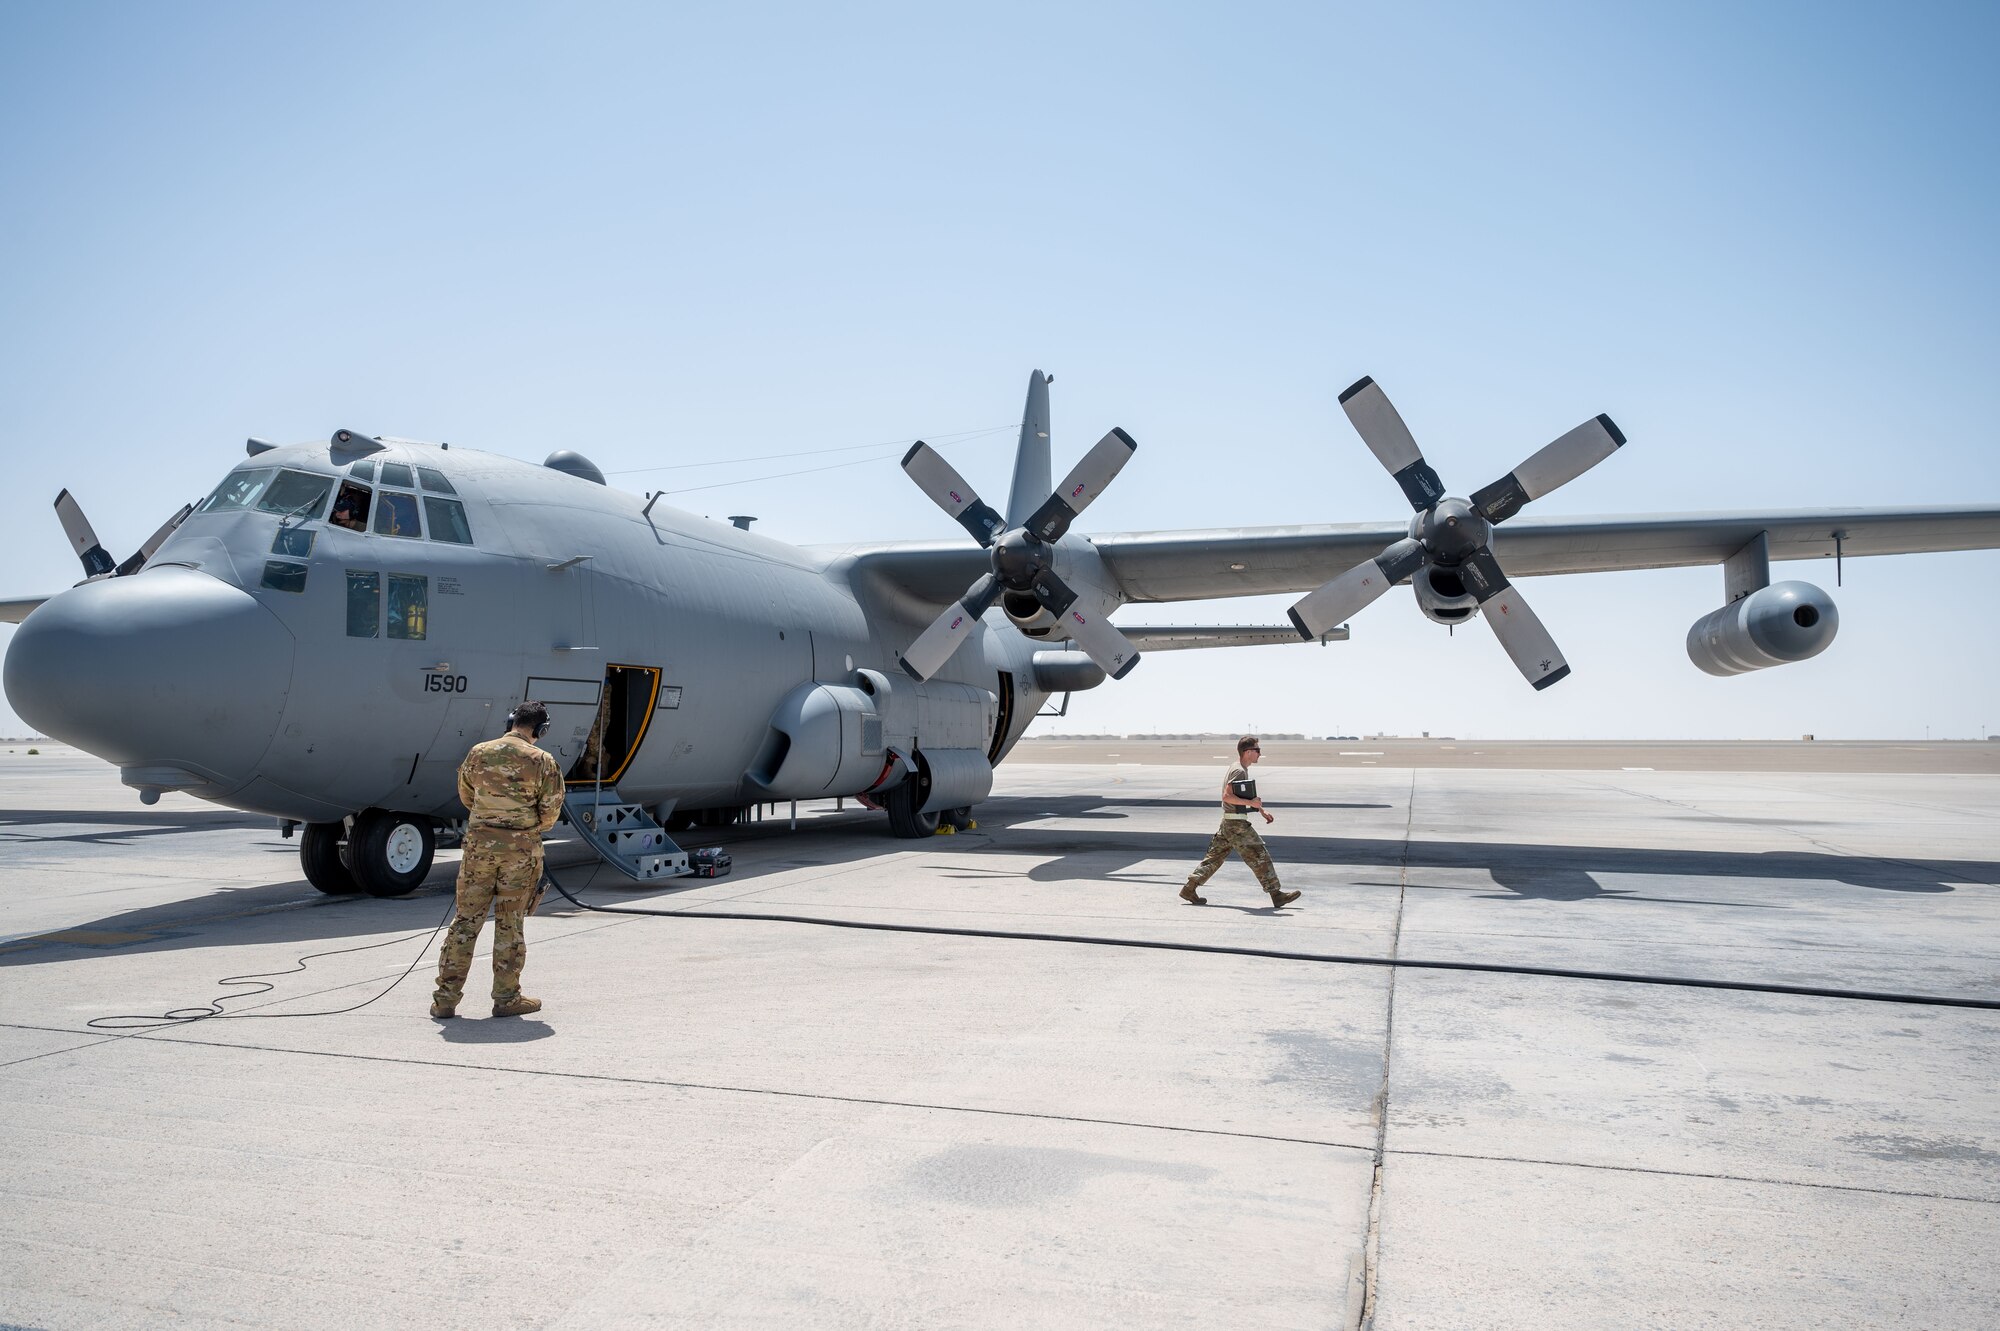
x: 502, y: 873
x: 1236, y: 834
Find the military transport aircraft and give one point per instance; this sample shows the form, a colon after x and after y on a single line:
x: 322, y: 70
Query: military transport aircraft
x: 323, y: 637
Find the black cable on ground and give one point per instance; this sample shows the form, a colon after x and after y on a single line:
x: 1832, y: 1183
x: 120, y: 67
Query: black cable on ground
x: 182, y: 1016
x: 1323, y: 958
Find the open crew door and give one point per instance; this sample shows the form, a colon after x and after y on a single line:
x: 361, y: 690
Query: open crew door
x: 624, y: 711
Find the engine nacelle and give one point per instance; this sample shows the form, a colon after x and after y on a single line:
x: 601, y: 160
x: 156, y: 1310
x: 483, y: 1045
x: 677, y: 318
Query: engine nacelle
x: 825, y: 739
x: 1776, y: 625
x: 1027, y: 614
x: 841, y: 739
x: 1442, y: 596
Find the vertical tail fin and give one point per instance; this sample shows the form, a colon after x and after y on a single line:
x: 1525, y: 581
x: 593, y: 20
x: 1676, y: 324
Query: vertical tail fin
x: 1032, y: 481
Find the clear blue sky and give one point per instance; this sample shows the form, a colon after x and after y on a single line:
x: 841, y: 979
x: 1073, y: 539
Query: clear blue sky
x: 1761, y: 237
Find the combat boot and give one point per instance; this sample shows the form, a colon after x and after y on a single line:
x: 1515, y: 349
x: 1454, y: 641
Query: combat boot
x: 442, y: 1010
x: 1282, y: 898
x: 1192, y: 897
x: 520, y: 1005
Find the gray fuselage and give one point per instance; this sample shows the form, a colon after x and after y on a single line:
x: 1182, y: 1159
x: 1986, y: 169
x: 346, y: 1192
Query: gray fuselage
x: 358, y: 673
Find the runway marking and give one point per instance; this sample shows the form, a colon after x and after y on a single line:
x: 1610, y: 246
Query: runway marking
x: 1635, y: 769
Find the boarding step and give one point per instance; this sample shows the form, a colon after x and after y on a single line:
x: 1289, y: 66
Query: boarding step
x: 624, y: 835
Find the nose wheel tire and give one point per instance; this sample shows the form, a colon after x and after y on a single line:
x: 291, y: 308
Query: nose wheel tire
x: 390, y: 853
x: 319, y: 856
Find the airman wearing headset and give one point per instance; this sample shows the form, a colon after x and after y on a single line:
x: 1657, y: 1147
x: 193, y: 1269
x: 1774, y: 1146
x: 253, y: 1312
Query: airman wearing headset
x: 514, y: 793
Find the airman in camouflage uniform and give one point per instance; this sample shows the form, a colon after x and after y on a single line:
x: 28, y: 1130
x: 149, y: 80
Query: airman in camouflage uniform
x: 514, y: 792
x: 1237, y: 833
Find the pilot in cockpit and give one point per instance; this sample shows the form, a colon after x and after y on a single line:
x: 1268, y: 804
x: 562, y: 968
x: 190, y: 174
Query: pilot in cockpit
x: 350, y: 508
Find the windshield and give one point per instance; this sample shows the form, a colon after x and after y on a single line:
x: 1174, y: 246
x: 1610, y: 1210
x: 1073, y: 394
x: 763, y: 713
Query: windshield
x: 296, y: 491
x: 269, y: 490
x: 239, y: 489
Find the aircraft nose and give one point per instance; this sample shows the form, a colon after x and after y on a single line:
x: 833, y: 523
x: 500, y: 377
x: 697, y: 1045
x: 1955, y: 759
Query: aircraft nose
x: 175, y: 676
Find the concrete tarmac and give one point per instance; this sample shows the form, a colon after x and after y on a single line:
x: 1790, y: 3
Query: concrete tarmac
x: 748, y: 1123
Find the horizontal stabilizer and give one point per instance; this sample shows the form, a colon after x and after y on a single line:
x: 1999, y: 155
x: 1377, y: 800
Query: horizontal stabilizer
x: 1188, y: 637
x: 18, y: 609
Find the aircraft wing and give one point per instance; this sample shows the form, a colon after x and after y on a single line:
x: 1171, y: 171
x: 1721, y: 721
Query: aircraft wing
x: 16, y: 610
x: 1188, y: 637
x: 1256, y: 561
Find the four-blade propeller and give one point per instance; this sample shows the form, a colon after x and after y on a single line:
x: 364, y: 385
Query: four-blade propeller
x: 1455, y: 534
x: 1022, y: 557
x: 97, y: 561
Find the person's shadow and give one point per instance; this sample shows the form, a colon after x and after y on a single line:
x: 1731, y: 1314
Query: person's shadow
x: 494, y: 1030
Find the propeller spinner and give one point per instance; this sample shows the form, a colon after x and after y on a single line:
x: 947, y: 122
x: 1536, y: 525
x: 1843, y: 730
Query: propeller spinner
x: 1022, y: 557
x: 1456, y: 534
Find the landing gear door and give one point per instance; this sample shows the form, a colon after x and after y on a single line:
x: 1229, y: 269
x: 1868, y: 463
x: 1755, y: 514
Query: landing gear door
x: 572, y: 705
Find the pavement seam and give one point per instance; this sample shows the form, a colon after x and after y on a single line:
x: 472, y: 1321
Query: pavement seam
x: 152, y: 1037
x: 1699, y: 1174
x: 1371, y: 1245
x: 51, y: 1053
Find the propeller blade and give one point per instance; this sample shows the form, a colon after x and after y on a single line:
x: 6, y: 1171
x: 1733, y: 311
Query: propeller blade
x: 1557, y: 464
x: 1113, y: 651
x: 1520, y: 631
x: 97, y: 561
x: 936, y: 644
x: 1086, y: 480
x: 1376, y: 421
x: 1333, y: 603
x: 154, y: 542
x: 948, y: 490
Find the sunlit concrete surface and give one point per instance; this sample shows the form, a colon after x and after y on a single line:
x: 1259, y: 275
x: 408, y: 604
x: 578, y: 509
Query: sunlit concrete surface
x: 753, y: 1123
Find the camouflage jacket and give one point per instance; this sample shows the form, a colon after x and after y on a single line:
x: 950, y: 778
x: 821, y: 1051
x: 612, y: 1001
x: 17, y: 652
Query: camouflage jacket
x: 509, y: 784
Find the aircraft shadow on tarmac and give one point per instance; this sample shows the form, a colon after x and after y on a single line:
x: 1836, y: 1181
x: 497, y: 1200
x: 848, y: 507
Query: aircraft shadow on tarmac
x: 120, y: 825
x: 287, y: 910
x: 1522, y: 871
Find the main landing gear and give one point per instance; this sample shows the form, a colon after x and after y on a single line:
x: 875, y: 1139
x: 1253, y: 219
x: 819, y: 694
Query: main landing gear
x: 380, y: 853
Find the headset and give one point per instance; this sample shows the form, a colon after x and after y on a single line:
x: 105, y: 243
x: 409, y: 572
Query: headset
x: 514, y: 717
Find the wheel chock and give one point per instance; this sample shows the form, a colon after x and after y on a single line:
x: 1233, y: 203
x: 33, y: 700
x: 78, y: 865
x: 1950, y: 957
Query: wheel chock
x: 945, y: 829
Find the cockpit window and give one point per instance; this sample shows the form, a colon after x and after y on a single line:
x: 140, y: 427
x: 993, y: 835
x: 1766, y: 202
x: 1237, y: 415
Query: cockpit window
x: 350, y: 507
x: 280, y: 576
x: 447, y: 518
x: 364, y: 604
x: 295, y: 542
x: 363, y: 470
x: 409, y: 606
x: 434, y: 481
x: 297, y: 493
x: 396, y: 473
x: 239, y: 489
x: 396, y: 514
